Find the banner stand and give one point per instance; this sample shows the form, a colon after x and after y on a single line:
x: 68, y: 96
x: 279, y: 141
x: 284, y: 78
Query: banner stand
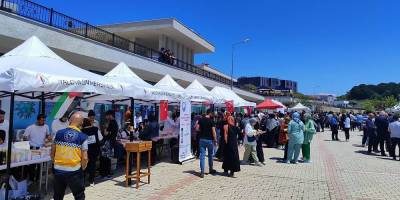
x: 185, y: 130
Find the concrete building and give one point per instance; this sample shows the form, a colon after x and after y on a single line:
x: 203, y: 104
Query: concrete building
x: 269, y: 86
x: 329, y: 98
x: 100, y: 48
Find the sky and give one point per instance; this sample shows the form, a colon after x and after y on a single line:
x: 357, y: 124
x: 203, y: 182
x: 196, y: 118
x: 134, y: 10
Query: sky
x: 327, y: 46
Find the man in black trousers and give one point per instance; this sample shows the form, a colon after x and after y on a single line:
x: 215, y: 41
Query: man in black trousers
x: 382, y: 128
x: 371, y: 132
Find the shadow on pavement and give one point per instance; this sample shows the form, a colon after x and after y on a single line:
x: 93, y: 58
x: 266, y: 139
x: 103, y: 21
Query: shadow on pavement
x: 192, y: 172
x: 387, y: 158
x: 358, y: 145
x: 277, y: 159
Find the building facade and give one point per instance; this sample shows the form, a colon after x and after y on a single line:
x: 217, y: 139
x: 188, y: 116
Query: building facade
x: 269, y: 86
x: 100, y: 48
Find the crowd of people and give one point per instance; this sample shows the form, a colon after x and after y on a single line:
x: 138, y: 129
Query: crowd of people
x: 226, y: 131
x: 294, y: 132
x: 78, y: 142
x: 166, y: 56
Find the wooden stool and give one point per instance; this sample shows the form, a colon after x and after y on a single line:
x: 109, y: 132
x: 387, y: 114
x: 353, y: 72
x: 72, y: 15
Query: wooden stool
x: 138, y: 148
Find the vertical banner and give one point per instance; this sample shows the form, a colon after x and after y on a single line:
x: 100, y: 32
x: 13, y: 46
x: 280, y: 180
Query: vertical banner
x: 163, y: 110
x: 229, y: 106
x: 185, y: 152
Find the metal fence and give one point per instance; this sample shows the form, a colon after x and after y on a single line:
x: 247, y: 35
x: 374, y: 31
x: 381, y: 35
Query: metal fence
x: 58, y: 20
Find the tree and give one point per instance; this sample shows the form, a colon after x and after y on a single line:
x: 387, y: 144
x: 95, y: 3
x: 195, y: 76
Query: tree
x: 364, y: 92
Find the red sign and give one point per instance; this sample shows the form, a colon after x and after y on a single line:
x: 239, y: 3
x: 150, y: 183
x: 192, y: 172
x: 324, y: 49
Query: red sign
x: 163, y: 110
x: 229, y: 106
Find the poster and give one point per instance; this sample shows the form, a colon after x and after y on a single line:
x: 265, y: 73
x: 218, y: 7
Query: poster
x: 185, y: 152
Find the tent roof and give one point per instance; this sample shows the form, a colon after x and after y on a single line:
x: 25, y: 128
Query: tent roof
x: 279, y: 103
x: 32, y: 66
x: 168, y: 89
x: 268, y: 104
x: 134, y: 86
x: 300, y: 107
x: 197, y: 92
x: 229, y: 95
x: 123, y: 73
x: 168, y: 83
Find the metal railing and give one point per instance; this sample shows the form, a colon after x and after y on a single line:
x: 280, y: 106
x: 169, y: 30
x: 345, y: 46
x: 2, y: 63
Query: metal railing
x: 48, y: 16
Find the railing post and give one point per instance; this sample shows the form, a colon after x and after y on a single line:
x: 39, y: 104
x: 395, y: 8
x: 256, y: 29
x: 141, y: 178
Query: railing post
x: 151, y: 53
x: 51, y: 17
x: 2, y: 5
x: 113, y: 39
x: 134, y: 47
x: 86, y: 29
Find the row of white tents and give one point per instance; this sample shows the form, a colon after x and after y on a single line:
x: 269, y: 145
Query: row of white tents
x: 33, y: 69
x: 32, y: 66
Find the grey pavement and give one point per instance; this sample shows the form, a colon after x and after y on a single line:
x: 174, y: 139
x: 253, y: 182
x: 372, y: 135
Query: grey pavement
x: 340, y: 170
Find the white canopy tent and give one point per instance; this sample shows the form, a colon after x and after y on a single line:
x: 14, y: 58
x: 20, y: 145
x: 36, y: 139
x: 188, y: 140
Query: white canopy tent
x: 32, y: 66
x: 198, y: 93
x: 167, y: 89
x: 228, y: 95
x: 300, y: 107
x: 135, y: 87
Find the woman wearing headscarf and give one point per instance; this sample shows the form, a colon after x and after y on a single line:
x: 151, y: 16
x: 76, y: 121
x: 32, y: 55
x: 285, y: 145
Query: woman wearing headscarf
x: 296, y: 138
x: 231, y: 163
x: 308, y: 136
x: 250, y: 142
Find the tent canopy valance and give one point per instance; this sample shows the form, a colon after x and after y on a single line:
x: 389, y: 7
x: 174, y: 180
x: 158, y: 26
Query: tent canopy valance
x: 32, y: 66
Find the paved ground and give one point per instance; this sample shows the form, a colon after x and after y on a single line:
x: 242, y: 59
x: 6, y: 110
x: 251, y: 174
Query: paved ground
x: 340, y: 170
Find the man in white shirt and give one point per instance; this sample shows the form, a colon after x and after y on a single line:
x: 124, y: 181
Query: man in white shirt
x: 394, y: 129
x: 4, y: 125
x: 59, y: 124
x: 37, y: 133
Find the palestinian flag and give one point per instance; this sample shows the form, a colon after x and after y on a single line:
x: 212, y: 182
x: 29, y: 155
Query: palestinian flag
x: 62, y: 105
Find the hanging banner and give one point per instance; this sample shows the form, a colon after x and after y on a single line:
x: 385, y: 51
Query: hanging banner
x: 185, y: 128
x: 163, y: 110
x: 229, y: 106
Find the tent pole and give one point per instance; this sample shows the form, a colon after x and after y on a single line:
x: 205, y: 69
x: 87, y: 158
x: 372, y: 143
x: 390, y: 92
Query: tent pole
x: 156, y: 114
x: 132, y: 111
x: 43, y: 104
x: 10, y: 138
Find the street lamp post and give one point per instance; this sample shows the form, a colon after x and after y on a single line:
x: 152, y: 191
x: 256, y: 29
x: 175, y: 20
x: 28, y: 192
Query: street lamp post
x: 233, y: 54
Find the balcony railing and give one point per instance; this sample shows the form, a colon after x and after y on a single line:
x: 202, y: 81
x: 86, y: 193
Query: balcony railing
x: 48, y: 16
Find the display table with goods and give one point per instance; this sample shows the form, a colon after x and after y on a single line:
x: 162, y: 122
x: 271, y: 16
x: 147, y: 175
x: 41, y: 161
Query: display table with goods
x: 21, y: 157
